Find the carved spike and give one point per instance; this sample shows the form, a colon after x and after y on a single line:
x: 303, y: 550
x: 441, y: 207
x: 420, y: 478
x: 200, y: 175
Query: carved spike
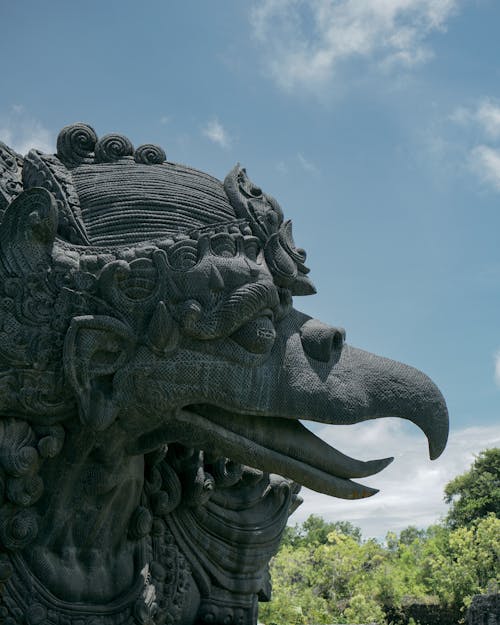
x: 216, y: 281
x: 302, y: 286
x: 162, y: 330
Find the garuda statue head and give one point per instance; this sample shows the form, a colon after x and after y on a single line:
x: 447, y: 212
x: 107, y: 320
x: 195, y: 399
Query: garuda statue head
x: 153, y: 371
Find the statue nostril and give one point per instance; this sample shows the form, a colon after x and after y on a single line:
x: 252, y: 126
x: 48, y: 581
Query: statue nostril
x: 320, y: 340
x: 338, y: 338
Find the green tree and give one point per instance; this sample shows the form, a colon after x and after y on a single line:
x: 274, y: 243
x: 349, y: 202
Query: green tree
x: 460, y: 563
x: 314, y: 531
x: 475, y: 493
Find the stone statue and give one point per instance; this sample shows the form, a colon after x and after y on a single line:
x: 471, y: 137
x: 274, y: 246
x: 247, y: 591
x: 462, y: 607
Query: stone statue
x: 153, y: 371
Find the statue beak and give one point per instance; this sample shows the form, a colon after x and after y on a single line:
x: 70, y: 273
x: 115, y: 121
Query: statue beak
x: 338, y: 385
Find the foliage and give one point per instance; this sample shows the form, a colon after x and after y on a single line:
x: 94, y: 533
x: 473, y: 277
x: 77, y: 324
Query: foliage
x: 475, y: 493
x: 460, y: 563
x: 325, y: 573
x: 315, y: 530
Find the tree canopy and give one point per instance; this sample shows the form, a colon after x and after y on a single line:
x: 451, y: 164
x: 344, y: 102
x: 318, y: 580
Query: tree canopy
x: 475, y: 493
x: 326, y: 573
x: 315, y: 531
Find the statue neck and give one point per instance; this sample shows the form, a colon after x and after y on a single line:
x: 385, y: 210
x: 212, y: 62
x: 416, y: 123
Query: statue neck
x: 82, y: 552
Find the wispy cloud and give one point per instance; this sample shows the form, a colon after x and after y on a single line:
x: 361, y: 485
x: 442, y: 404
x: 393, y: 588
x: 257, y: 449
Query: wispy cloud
x: 411, y: 488
x: 484, y: 158
x: 305, y: 41
x: 485, y: 115
x: 22, y: 132
x: 216, y: 132
x: 306, y: 164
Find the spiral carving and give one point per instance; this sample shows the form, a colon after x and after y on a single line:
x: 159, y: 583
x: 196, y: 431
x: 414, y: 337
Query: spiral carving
x: 226, y: 472
x: 18, y: 527
x: 141, y: 523
x: 76, y: 143
x: 112, y: 148
x: 150, y: 154
x: 20, y: 461
x: 25, y: 491
x: 36, y: 614
x: 183, y: 255
x: 51, y: 444
x: 171, y: 486
x: 18, y: 456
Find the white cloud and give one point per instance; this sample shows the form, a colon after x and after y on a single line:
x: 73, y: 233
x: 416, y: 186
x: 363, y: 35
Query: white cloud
x: 488, y: 115
x: 483, y: 158
x: 216, y: 132
x: 485, y: 162
x: 485, y: 115
x: 22, y: 132
x: 304, y: 41
x: 411, y: 488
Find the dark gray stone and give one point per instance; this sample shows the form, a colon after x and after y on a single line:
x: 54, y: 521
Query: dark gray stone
x: 484, y: 610
x: 153, y: 371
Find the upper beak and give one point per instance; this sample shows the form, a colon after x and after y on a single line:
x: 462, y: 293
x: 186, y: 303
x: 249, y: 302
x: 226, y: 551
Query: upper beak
x: 348, y: 385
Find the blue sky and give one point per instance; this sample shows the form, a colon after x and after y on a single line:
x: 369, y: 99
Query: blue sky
x: 376, y: 125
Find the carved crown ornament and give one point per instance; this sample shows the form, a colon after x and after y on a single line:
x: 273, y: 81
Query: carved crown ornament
x: 153, y: 371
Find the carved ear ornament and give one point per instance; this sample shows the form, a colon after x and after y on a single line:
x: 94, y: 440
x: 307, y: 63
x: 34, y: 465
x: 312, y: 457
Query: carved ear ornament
x: 28, y: 231
x: 265, y: 218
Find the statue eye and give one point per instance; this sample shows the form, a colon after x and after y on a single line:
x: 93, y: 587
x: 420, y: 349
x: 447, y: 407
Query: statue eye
x: 223, y: 245
x: 256, y: 336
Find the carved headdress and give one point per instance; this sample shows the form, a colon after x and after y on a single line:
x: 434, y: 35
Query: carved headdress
x: 100, y: 189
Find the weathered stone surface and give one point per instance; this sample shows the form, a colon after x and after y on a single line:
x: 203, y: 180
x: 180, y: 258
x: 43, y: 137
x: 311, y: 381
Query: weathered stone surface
x: 153, y: 370
x: 484, y: 610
